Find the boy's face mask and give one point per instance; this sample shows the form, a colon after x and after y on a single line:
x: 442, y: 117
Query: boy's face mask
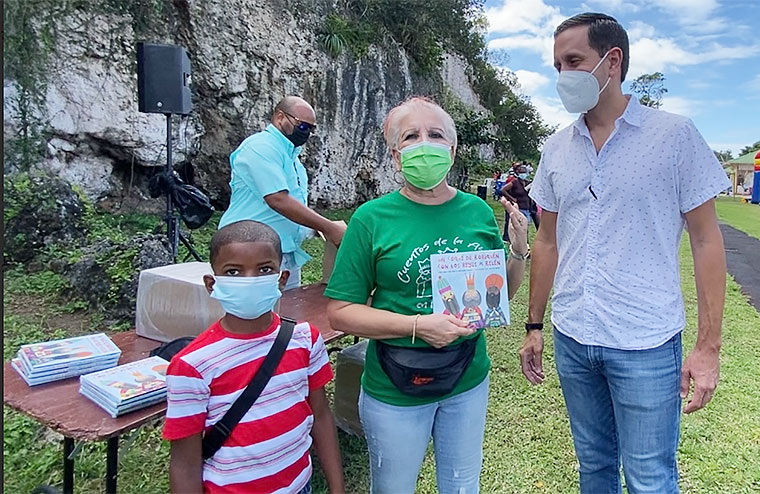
x: 425, y: 164
x: 247, y: 297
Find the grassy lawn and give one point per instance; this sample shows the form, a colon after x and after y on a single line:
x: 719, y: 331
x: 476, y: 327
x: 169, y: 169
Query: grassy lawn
x: 745, y: 217
x: 528, y: 448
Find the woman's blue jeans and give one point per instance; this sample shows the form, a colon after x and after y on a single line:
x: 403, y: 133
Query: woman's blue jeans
x: 623, y: 405
x: 398, y: 438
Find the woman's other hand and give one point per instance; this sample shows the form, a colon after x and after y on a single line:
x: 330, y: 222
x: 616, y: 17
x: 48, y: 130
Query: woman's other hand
x: 439, y: 330
x: 517, y: 228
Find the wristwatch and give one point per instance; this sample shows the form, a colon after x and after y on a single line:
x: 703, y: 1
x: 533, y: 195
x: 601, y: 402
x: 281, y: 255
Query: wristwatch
x: 530, y: 326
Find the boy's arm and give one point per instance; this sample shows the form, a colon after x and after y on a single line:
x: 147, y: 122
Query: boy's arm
x: 326, y: 440
x: 186, y: 465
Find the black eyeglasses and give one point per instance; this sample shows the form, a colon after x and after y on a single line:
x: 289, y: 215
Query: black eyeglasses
x: 302, y: 126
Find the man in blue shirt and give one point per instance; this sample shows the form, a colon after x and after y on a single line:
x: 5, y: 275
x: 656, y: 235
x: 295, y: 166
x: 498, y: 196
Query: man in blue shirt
x: 269, y: 184
x: 617, y: 187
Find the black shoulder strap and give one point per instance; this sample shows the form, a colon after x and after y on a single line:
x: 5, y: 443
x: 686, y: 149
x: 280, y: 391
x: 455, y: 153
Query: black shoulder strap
x: 214, y: 438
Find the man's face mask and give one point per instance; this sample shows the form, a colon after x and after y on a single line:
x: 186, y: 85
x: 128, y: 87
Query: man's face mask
x: 247, y: 297
x: 579, y: 90
x: 425, y: 164
x: 301, y: 130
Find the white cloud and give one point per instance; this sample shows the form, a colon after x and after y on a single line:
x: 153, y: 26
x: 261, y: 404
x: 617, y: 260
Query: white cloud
x: 530, y: 81
x: 542, y: 45
x: 680, y: 105
x: 610, y: 6
x: 639, y: 29
x: 552, y: 111
x: 517, y: 16
x: 734, y: 147
x: 666, y: 54
x: 528, y: 24
x: 687, y: 11
x: 754, y: 84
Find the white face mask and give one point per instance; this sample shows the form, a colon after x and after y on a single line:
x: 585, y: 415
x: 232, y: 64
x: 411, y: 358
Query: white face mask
x: 579, y: 90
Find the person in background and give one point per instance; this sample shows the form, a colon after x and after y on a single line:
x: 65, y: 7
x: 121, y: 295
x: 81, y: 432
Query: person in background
x: 515, y: 192
x: 269, y: 184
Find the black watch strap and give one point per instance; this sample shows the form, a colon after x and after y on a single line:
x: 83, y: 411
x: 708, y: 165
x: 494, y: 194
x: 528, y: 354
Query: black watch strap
x: 530, y: 326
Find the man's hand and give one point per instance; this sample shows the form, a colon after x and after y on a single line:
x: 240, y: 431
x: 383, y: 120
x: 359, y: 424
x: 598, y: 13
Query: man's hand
x: 439, y: 330
x: 702, y: 367
x: 530, y: 357
x: 335, y: 232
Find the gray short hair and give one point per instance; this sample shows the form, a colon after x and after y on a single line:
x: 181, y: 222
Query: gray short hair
x: 390, y: 126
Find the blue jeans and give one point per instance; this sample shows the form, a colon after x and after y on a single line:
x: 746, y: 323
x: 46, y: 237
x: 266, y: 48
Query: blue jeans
x: 623, y: 405
x: 398, y: 438
x: 306, y: 489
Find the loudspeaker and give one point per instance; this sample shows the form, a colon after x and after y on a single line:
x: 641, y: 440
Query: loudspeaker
x: 163, y: 79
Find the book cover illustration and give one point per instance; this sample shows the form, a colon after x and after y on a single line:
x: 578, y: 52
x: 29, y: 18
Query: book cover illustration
x: 129, y: 382
x: 471, y: 286
x: 61, y: 353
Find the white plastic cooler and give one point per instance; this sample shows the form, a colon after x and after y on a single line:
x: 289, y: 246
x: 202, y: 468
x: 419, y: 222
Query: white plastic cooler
x: 173, y: 302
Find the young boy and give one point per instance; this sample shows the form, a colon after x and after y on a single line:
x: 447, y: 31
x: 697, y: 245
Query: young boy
x: 268, y: 451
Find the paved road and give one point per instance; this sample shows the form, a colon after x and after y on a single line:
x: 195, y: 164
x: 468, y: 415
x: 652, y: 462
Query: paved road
x: 743, y: 260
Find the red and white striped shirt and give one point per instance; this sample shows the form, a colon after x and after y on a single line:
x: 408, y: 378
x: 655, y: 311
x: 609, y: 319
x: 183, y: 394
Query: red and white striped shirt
x: 268, y: 451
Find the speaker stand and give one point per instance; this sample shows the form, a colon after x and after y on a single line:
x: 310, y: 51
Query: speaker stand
x: 173, y: 232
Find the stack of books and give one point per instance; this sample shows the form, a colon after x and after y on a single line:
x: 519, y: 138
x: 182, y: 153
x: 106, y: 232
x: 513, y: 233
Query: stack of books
x: 40, y: 363
x: 127, y: 387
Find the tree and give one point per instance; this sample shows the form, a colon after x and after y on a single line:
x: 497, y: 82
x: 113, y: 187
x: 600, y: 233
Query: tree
x: 723, y: 156
x: 650, y: 88
x: 749, y: 149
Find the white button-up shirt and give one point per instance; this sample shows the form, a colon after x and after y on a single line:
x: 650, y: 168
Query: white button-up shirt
x: 619, y: 224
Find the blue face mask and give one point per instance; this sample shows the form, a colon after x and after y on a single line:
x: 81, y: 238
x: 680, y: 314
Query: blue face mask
x: 247, y: 297
x: 523, y: 176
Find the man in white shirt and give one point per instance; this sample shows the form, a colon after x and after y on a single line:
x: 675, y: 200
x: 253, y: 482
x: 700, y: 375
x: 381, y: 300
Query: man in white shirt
x: 616, y: 188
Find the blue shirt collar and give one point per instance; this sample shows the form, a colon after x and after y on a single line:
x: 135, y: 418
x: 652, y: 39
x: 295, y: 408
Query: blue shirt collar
x: 284, y: 141
x: 631, y: 115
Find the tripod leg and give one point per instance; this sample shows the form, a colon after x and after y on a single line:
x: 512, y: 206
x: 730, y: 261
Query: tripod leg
x: 190, y: 250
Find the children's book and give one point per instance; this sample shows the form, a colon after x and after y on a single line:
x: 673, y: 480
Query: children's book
x: 69, y: 352
x: 127, y: 387
x: 471, y: 286
x: 57, y: 375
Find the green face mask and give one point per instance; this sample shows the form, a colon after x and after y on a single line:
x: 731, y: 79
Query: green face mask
x: 425, y: 164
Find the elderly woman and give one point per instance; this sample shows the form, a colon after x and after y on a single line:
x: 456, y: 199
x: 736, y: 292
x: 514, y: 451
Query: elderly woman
x: 385, y: 254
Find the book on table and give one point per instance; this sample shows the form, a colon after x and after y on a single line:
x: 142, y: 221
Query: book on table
x: 127, y: 387
x: 48, y: 361
x: 471, y: 286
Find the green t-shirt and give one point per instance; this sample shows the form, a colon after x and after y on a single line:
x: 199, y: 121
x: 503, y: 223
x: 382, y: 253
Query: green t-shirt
x: 387, y: 247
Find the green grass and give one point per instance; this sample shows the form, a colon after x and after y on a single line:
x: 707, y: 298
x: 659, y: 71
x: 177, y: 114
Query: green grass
x: 743, y: 216
x: 528, y: 448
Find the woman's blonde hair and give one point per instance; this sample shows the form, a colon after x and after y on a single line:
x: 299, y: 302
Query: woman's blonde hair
x: 390, y: 126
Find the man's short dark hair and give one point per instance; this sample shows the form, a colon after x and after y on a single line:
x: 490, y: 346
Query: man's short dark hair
x: 604, y: 33
x: 241, y: 232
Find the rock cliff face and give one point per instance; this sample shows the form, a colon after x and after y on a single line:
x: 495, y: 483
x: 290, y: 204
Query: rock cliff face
x: 246, y: 55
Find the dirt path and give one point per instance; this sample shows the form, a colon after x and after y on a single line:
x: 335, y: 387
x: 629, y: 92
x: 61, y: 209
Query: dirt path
x: 743, y: 260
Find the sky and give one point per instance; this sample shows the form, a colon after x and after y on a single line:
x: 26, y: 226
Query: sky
x: 708, y: 51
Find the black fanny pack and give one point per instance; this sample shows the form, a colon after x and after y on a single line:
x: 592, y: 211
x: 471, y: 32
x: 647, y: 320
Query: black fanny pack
x: 426, y: 372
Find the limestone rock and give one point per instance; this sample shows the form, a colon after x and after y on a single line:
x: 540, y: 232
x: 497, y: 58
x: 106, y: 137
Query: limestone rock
x: 39, y: 210
x: 106, y: 275
x: 242, y: 65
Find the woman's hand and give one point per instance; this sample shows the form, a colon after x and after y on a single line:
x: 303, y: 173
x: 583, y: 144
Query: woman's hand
x: 517, y: 228
x: 439, y: 330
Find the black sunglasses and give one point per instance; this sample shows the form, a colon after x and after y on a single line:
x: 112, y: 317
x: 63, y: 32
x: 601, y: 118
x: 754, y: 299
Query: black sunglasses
x: 302, y: 126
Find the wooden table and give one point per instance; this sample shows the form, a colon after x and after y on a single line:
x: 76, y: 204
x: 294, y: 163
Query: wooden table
x: 59, y: 405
